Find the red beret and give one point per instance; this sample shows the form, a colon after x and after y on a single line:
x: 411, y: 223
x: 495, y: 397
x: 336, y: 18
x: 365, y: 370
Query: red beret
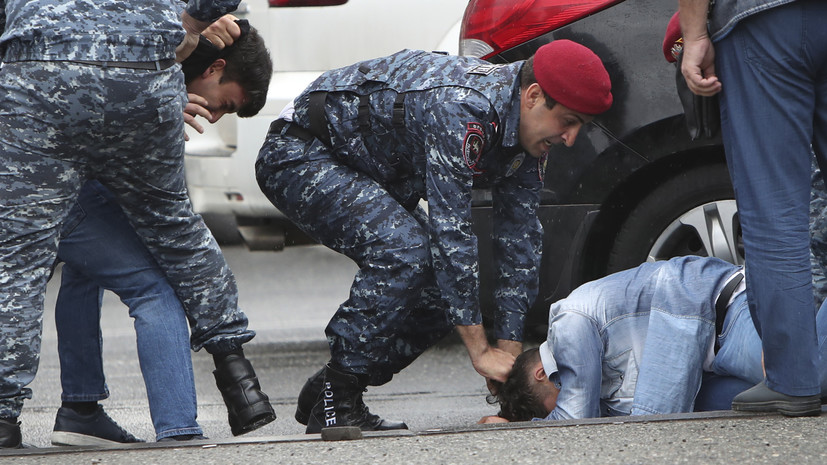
x: 673, y: 40
x: 574, y: 76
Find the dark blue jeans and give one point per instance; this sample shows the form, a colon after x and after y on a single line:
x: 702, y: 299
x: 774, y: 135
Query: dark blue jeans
x: 773, y: 67
x: 101, y: 251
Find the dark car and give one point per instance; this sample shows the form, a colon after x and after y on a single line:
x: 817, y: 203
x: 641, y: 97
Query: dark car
x: 635, y: 186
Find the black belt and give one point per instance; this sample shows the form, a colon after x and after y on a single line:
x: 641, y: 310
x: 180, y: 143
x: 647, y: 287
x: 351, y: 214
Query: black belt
x: 145, y: 65
x: 293, y: 130
x: 722, y: 303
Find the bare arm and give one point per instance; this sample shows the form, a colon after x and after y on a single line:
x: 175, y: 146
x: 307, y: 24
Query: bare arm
x: 490, y: 362
x: 698, y: 67
x: 193, y: 28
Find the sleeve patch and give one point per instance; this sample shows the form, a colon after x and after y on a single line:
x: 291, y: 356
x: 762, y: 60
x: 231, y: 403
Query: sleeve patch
x: 473, y: 146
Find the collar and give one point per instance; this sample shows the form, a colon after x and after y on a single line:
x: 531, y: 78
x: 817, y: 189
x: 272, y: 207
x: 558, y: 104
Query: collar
x: 549, y: 363
x: 511, y: 115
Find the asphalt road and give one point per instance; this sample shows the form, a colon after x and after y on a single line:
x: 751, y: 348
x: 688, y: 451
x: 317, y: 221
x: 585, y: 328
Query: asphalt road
x: 289, y: 296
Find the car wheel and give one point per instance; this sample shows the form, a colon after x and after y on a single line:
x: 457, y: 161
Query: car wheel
x: 693, y: 213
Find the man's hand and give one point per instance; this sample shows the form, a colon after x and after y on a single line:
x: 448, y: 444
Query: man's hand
x: 698, y: 63
x: 488, y: 419
x: 698, y: 67
x: 514, y: 348
x: 223, y: 32
x: 490, y: 362
x: 190, y: 42
x: 197, y: 105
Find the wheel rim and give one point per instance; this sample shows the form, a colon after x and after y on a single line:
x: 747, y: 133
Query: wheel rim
x: 708, y: 230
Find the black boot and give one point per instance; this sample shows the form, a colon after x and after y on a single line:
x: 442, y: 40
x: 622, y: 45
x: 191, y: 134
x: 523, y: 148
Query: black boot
x: 10, y: 436
x: 248, y: 408
x: 340, y: 404
x: 308, y: 395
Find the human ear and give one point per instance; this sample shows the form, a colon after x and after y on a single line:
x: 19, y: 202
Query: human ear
x: 535, y: 95
x: 216, y: 66
x: 539, y: 372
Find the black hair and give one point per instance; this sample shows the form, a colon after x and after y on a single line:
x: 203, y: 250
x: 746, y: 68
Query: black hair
x: 249, y: 65
x: 528, y: 78
x: 516, y: 396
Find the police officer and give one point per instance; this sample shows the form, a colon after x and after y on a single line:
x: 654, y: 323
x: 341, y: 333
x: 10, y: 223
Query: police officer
x: 349, y: 163
x: 90, y: 89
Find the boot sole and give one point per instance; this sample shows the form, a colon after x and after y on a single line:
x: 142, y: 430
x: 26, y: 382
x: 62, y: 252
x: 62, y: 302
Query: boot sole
x: 255, y: 423
x: 790, y: 409
x: 65, y: 438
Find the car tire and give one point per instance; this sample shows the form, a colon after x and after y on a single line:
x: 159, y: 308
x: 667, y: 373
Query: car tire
x: 693, y: 213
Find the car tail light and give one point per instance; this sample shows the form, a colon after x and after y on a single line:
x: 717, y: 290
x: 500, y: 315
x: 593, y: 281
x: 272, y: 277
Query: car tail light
x: 280, y: 3
x: 492, y: 26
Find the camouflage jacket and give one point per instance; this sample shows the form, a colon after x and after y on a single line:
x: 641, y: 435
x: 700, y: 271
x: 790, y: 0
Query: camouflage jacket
x: 435, y: 127
x: 99, y: 30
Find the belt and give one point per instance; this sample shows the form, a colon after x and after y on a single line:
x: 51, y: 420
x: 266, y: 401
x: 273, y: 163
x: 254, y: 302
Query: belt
x: 722, y: 303
x: 145, y: 65
x: 293, y: 130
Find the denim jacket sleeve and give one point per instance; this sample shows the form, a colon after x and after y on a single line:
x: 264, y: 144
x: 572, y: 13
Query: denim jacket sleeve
x: 577, y: 347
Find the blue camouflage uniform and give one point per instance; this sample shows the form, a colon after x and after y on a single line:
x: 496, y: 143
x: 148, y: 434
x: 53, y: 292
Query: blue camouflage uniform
x: 411, y: 126
x: 64, y: 120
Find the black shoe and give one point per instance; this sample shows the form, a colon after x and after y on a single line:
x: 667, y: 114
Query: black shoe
x: 10, y: 436
x: 340, y: 403
x: 308, y: 395
x: 761, y: 398
x: 184, y: 437
x: 95, y: 429
x: 248, y: 408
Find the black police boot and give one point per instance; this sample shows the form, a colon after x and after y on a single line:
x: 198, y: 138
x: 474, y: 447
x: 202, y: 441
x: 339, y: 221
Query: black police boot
x: 248, y: 408
x: 308, y: 395
x: 340, y: 404
x: 10, y: 436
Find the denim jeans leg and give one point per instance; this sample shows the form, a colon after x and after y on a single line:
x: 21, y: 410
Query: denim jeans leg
x: 767, y: 108
x: 105, y: 248
x: 77, y: 320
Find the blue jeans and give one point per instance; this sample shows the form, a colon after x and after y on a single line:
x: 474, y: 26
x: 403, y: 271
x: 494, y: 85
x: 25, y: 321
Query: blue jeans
x: 102, y: 251
x: 773, y: 67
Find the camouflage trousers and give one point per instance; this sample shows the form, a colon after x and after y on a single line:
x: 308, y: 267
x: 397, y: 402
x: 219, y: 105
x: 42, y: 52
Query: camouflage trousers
x: 818, y: 234
x: 63, y: 123
x: 394, y: 312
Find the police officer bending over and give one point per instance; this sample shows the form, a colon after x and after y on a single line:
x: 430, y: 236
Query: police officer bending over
x: 349, y: 163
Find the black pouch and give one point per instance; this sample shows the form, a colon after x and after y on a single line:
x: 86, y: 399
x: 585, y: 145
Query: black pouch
x: 703, y: 116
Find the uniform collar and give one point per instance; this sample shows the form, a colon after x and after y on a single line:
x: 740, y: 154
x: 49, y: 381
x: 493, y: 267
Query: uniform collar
x: 511, y: 118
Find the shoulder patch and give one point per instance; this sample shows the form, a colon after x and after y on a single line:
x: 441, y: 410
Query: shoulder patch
x: 484, y: 70
x: 473, y: 146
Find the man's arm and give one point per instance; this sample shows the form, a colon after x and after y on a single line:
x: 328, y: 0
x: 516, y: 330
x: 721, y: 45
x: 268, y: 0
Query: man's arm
x: 578, y: 351
x: 517, y: 248
x: 196, y: 17
x: 453, y: 245
x: 698, y: 66
x: 490, y: 362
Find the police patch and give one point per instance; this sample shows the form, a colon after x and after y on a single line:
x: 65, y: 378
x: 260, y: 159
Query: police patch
x: 515, y: 163
x: 472, y: 146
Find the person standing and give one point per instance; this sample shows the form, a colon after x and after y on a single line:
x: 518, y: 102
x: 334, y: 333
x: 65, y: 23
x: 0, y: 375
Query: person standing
x: 349, y: 163
x: 92, y: 90
x: 767, y: 59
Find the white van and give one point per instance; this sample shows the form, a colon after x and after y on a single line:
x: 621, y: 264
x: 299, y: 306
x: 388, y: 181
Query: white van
x: 305, y: 38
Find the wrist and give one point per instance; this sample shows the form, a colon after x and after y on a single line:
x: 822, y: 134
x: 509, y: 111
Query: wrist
x: 473, y: 336
x: 192, y: 25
